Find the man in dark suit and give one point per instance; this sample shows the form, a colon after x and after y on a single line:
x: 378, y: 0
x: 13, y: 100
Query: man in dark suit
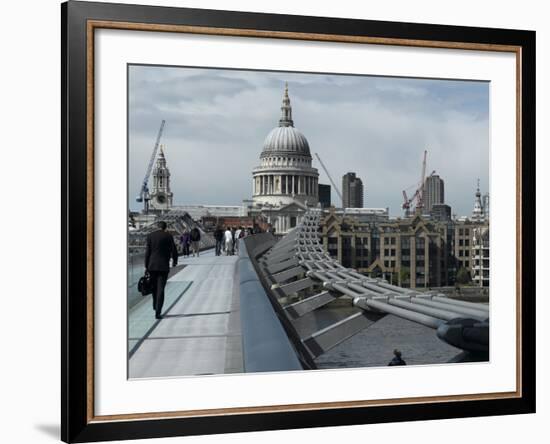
x: 160, y: 248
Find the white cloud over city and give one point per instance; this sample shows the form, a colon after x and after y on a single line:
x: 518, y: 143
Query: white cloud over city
x: 377, y: 127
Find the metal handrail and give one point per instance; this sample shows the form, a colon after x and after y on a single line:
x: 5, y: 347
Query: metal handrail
x: 266, y: 344
x: 432, y: 309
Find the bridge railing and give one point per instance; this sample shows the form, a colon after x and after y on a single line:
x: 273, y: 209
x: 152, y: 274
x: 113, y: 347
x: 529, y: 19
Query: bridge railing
x: 266, y: 344
x: 177, y: 222
x: 303, y: 278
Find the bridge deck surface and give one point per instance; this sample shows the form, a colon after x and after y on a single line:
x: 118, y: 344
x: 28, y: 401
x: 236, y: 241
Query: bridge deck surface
x: 200, y: 331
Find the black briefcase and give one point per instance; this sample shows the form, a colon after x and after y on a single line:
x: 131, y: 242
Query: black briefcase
x: 145, y: 284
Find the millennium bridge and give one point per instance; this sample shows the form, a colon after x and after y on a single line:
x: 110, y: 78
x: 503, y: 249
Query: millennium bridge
x: 250, y: 312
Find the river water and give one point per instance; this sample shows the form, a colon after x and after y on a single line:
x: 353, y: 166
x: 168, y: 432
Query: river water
x: 374, y: 346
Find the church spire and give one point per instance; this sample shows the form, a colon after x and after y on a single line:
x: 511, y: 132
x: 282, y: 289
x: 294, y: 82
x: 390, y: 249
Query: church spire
x: 286, y: 110
x: 161, y: 196
x: 477, y: 214
x: 161, y: 159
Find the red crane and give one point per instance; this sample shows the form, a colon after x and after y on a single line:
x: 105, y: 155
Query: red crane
x: 418, y: 196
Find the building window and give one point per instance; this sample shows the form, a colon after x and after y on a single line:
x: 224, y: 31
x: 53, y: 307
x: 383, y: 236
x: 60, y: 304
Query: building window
x: 467, y: 231
x: 467, y: 264
x: 460, y: 243
x: 467, y: 242
x: 460, y: 232
x: 386, y: 241
x: 467, y: 253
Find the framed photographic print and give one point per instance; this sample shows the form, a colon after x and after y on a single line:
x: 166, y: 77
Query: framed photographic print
x: 275, y: 221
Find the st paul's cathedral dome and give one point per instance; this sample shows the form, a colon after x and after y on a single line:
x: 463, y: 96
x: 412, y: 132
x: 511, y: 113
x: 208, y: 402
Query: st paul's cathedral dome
x: 285, y: 175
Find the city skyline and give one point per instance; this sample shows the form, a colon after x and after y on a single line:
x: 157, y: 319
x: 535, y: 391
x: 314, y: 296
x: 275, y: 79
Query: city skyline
x: 378, y: 127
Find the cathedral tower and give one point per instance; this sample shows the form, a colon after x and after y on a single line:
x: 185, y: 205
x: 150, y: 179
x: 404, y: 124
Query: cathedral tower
x: 161, y: 196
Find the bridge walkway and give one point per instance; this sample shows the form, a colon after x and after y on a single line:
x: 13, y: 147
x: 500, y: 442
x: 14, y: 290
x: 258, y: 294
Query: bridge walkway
x: 200, y: 332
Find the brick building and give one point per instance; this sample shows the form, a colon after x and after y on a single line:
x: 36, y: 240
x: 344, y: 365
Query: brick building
x: 412, y: 252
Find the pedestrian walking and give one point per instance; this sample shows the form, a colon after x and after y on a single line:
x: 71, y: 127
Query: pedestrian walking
x: 195, y: 240
x: 218, y: 235
x: 185, y: 240
x: 160, y: 248
x: 238, y: 233
x: 228, y: 240
x: 233, y: 241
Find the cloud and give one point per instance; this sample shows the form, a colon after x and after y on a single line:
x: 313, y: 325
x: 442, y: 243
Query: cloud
x: 378, y: 127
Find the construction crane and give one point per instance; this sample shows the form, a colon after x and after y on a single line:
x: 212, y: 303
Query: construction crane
x: 331, y: 181
x: 406, y: 204
x: 144, y: 192
x: 418, y: 196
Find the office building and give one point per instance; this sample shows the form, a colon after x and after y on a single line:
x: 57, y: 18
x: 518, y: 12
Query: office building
x: 352, y: 191
x: 434, y: 192
x: 324, y: 195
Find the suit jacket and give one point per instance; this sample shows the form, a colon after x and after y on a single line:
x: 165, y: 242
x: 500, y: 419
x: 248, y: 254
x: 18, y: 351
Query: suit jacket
x: 160, y: 248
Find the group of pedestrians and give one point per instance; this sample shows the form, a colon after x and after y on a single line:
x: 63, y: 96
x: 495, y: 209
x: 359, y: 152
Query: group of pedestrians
x: 227, y: 240
x: 161, y: 248
x: 190, y: 239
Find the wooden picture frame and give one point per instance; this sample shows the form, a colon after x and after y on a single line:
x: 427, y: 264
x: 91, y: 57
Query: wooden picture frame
x: 79, y: 22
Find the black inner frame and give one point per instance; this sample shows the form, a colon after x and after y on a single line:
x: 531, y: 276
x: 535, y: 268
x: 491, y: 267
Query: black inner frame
x: 74, y: 424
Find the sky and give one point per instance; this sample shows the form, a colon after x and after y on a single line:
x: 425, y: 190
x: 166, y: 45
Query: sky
x: 377, y: 127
